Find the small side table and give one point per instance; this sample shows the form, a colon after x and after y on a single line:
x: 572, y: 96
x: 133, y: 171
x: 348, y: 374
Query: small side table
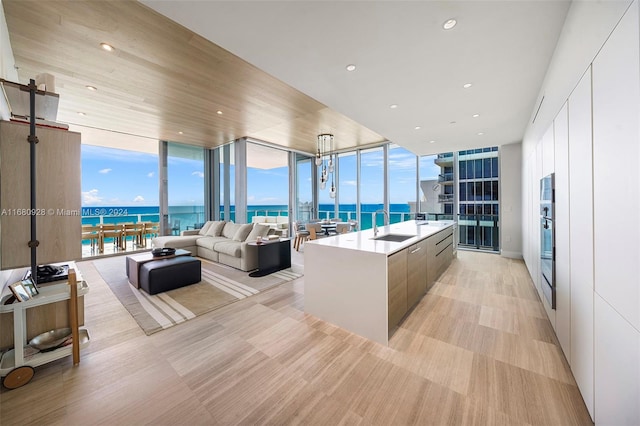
x: 273, y: 255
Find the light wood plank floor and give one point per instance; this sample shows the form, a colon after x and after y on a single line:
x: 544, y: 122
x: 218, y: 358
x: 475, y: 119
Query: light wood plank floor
x: 476, y: 350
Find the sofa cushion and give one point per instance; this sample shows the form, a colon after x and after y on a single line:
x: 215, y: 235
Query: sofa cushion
x: 258, y: 230
x: 242, y: 232
x: 205, y: 228
x: 258, y: 219
x: 215, y: 230
x: 175, y: 241
x: 209, y: 242
x: 230, y: 230
x: 270, y: 219
x: 231, y: 248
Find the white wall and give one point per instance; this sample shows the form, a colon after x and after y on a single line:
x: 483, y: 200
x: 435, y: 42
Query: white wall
x: 511, y: 200
x: 7, y: 69
x: 592, y: 103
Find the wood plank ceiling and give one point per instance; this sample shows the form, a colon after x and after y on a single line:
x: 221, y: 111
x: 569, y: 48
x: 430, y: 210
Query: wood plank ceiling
x: 162, y: 79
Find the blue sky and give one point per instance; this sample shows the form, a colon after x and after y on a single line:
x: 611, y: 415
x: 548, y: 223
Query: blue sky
x: 112, y: 177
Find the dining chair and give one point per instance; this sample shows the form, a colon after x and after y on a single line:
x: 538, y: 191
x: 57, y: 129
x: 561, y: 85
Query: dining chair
x: 315, y: 231
x: 133, y: 230
x: 110, y: 230
x: 91, y: 233
x: 301, y: 235
x: 342, y: 228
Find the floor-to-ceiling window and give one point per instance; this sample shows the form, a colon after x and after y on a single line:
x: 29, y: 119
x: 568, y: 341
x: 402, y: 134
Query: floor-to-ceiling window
x: 118, y: 186
x: 185, y: 186
x: 304, y: 188
x: 267, y: 181
x: 371, y: 186
x: 347, y: 186
x: 402, y: 183
x: 479, y: 198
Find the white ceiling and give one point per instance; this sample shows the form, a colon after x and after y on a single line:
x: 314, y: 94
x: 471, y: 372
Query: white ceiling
x: 403, y: 57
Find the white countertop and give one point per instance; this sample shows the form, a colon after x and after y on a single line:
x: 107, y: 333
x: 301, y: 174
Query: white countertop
x: 363, y: 240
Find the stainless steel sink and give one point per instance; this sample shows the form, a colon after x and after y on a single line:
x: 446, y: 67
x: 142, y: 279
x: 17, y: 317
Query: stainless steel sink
x: 393, y: 237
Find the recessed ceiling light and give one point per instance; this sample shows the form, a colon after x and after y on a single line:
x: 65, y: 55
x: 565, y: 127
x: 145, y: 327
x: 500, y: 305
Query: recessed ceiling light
x: 480, y: 133
x: 450, y: 23
x: 92, y: 88
x: 107, y: 47
x: 467, y: 85
x: 452, y: 122
x: 393, y: 106
x: 476, y: 115
x: 219, y: 112
x: 418, y: 127
x: 181, y: 133
x: 432, y: 141
x: 81, y: 113
x: 351, y: 67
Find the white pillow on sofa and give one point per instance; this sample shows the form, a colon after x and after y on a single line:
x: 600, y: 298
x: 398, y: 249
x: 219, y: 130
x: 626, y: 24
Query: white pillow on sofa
x: 242, y: 232
x: 229, y: 230
x: 258, y: 230
x: 205, y: 228
x: 215, y: 229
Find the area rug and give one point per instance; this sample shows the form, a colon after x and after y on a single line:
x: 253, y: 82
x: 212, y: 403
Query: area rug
x: 220, y: 286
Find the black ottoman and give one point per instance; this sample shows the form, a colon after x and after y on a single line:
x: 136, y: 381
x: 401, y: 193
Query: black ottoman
x: 168, y: 274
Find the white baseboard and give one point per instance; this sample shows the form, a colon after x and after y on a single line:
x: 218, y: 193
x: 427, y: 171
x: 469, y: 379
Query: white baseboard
x: 511, y: 254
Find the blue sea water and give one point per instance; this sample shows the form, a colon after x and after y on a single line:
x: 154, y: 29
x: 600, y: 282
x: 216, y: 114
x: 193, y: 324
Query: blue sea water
x: 190, y: 215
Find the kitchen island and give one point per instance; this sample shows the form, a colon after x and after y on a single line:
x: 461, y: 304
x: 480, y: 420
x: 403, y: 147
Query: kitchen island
x: 367, y: 285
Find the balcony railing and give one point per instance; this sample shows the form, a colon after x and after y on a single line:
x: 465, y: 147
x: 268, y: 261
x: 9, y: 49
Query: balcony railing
x: 445, y: 177
x: 444, y: 159
x: 445, y: 198
x: 480, y: 231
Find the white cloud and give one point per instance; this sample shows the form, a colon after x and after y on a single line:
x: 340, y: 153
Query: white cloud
x: 151, y: 174
x: 197, y: 173
x: 138, y: 199
x: 349, y: 183
x: 104, y: 171
x: 90, y: 197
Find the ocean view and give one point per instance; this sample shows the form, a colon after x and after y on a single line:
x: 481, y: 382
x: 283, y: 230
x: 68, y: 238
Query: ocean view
x: 191, y: 215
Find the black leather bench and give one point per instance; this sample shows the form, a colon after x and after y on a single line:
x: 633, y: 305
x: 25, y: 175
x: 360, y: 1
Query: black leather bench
x: 168, y: 274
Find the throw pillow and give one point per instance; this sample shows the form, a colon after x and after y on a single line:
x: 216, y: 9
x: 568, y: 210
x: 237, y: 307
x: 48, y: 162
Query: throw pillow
x: 215, y: 230
x: 258, y: 231
x: 205, y: 228
x: 229, y: 230
x: 242, y: 232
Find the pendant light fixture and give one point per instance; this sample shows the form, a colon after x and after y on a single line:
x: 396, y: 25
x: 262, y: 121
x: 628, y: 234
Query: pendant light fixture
x: 326, y: 161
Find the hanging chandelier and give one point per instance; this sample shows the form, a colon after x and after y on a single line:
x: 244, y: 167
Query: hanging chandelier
x: 327, y: 164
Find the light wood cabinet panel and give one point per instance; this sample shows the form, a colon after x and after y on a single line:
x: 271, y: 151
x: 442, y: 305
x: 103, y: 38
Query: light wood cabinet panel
x: 58, y: 195
x: 616, y: 176
x: 397, y: 287
x: 581, y: 238
x: 416, y: 273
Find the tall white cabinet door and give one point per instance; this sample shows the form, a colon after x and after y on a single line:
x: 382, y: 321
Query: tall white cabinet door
x: 561, y: 219
x: 581, y: 238
x: 617, y: 368
x: 616, y: 174
x: 616, y: 198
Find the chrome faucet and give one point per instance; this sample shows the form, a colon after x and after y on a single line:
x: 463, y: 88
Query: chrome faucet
x: 375, y: 222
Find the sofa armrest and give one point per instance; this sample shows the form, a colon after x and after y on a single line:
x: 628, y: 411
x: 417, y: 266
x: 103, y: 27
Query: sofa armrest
x: 190, y: 232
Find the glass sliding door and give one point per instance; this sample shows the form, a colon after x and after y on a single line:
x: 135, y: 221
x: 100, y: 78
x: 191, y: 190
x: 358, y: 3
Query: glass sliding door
x: 402, y: 183
x: 267, y: 184
x: 185, y: 187
x: 371, y: 186
x: 347, y: 186
x: 304, y: 188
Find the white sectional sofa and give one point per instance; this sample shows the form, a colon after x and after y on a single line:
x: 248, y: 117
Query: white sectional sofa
x: 280, y: 224
x: 220, y: 241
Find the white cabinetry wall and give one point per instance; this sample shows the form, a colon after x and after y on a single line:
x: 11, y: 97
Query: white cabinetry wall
x: 581, y: 238
x: 596, y: 157
x: 616, y: 200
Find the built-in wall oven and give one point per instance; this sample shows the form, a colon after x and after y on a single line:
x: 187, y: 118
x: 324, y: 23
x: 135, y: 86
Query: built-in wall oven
x: 547, y: 239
